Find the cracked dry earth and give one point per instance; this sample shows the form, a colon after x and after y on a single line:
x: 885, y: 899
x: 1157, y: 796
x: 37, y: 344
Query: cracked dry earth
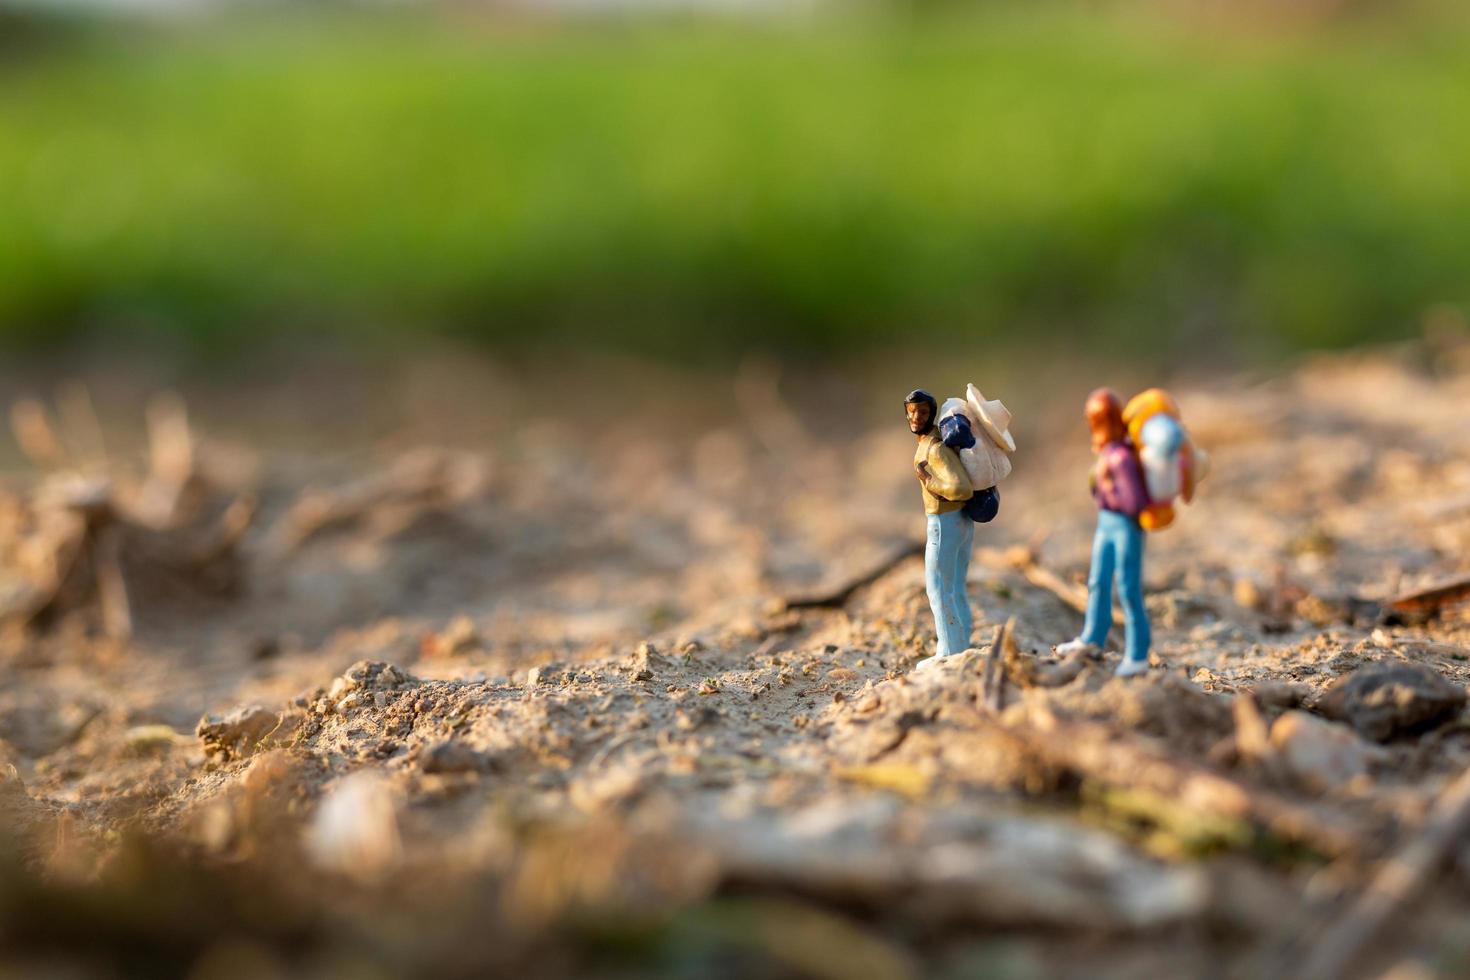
x: 520, y: 709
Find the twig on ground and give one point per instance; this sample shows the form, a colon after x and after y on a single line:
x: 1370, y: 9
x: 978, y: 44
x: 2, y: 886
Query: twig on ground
x: 80, y: 424
x: 1252, y: 734
x: 36, y: 436
x: 993, y: 674
x: 112, y: 586
x: 1026, y: 561
x: 837, y: 598
x: 1434, y: 598
x: 415, y: 483
x: 172, y: 469
x: 1028, y: 672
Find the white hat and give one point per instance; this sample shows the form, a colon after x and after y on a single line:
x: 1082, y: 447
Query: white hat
x: 994, y: 418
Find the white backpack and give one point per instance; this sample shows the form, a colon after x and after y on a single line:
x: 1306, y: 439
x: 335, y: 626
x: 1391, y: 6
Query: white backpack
x: 987, y: 462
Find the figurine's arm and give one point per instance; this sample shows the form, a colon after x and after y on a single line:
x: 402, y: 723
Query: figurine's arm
x: 944, y: 476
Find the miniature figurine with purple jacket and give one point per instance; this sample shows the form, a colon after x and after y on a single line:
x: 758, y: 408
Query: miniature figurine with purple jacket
x: 957, y: 471
x: 1121, y: 488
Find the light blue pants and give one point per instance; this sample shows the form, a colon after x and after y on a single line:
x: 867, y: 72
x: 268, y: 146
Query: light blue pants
x: 946, y: 565
x: 1117, y: 552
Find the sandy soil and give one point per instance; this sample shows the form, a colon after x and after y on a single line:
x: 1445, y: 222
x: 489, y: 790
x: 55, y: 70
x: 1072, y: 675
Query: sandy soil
x: 532, y: 709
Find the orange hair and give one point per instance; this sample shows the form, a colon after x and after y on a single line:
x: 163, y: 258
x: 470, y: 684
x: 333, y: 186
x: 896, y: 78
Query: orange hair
x: 1105, y: 417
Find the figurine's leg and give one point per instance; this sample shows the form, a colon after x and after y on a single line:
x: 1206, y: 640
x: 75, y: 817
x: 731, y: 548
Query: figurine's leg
x: 1137, y: 635
x: 934, y: 569
x: 961, y: 582
x: 1100, y: 584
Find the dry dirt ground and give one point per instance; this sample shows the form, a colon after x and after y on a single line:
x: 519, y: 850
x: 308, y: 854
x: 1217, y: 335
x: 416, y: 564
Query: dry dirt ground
x: 544, y: 708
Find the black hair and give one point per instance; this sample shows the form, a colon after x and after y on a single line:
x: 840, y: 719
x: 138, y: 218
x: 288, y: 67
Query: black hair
x: 921, y: 397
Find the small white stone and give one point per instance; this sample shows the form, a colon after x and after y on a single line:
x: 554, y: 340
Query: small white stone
x: 355, y: 831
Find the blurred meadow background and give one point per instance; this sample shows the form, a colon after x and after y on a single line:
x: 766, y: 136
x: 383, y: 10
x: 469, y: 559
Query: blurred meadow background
x: 1192, y: 184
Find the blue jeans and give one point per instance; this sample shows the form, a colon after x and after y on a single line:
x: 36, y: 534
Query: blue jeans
x: 946, y: 566
x: 1117, y: 551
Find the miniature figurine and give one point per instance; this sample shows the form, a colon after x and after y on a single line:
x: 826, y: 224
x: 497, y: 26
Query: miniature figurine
x: 957, y: 472
x: 1145, y: 461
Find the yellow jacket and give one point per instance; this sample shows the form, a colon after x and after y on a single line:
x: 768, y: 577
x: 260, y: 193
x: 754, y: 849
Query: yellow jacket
x: 945, y: 483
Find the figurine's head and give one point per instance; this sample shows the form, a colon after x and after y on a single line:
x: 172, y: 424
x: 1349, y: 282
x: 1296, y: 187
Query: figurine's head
x: 921, y: 408
x: 1105, y: 418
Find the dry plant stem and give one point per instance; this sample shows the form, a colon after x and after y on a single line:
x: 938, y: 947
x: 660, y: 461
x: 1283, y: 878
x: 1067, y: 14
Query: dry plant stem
x: 1024, y: 560
x: 112, y: 587
x: 1252, y: 734
x: 415, y: 483
x: 1400, y: 879
x: 36, y: 436
x: 229, y: 530
x: 1052, y: 675
x: 837, y: 598
x: 993, y: 675
x: 171, y: 463
x: 80, y: 423
x: 1430, y: 600
x: 170, y: 439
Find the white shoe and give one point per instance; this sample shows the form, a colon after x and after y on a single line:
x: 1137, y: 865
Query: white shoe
x: 930, y: 661
x: 1130, y: 667
x: 1078, y: 645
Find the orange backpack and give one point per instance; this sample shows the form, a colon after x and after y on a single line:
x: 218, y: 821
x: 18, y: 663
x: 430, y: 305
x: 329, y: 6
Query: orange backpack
x: 1172, y: 466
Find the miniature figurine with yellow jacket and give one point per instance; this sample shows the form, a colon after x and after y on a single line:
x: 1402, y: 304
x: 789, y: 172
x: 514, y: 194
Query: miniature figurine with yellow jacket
x: 963, y: 453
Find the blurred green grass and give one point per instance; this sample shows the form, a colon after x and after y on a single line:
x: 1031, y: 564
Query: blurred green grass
x: 685, y: 188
